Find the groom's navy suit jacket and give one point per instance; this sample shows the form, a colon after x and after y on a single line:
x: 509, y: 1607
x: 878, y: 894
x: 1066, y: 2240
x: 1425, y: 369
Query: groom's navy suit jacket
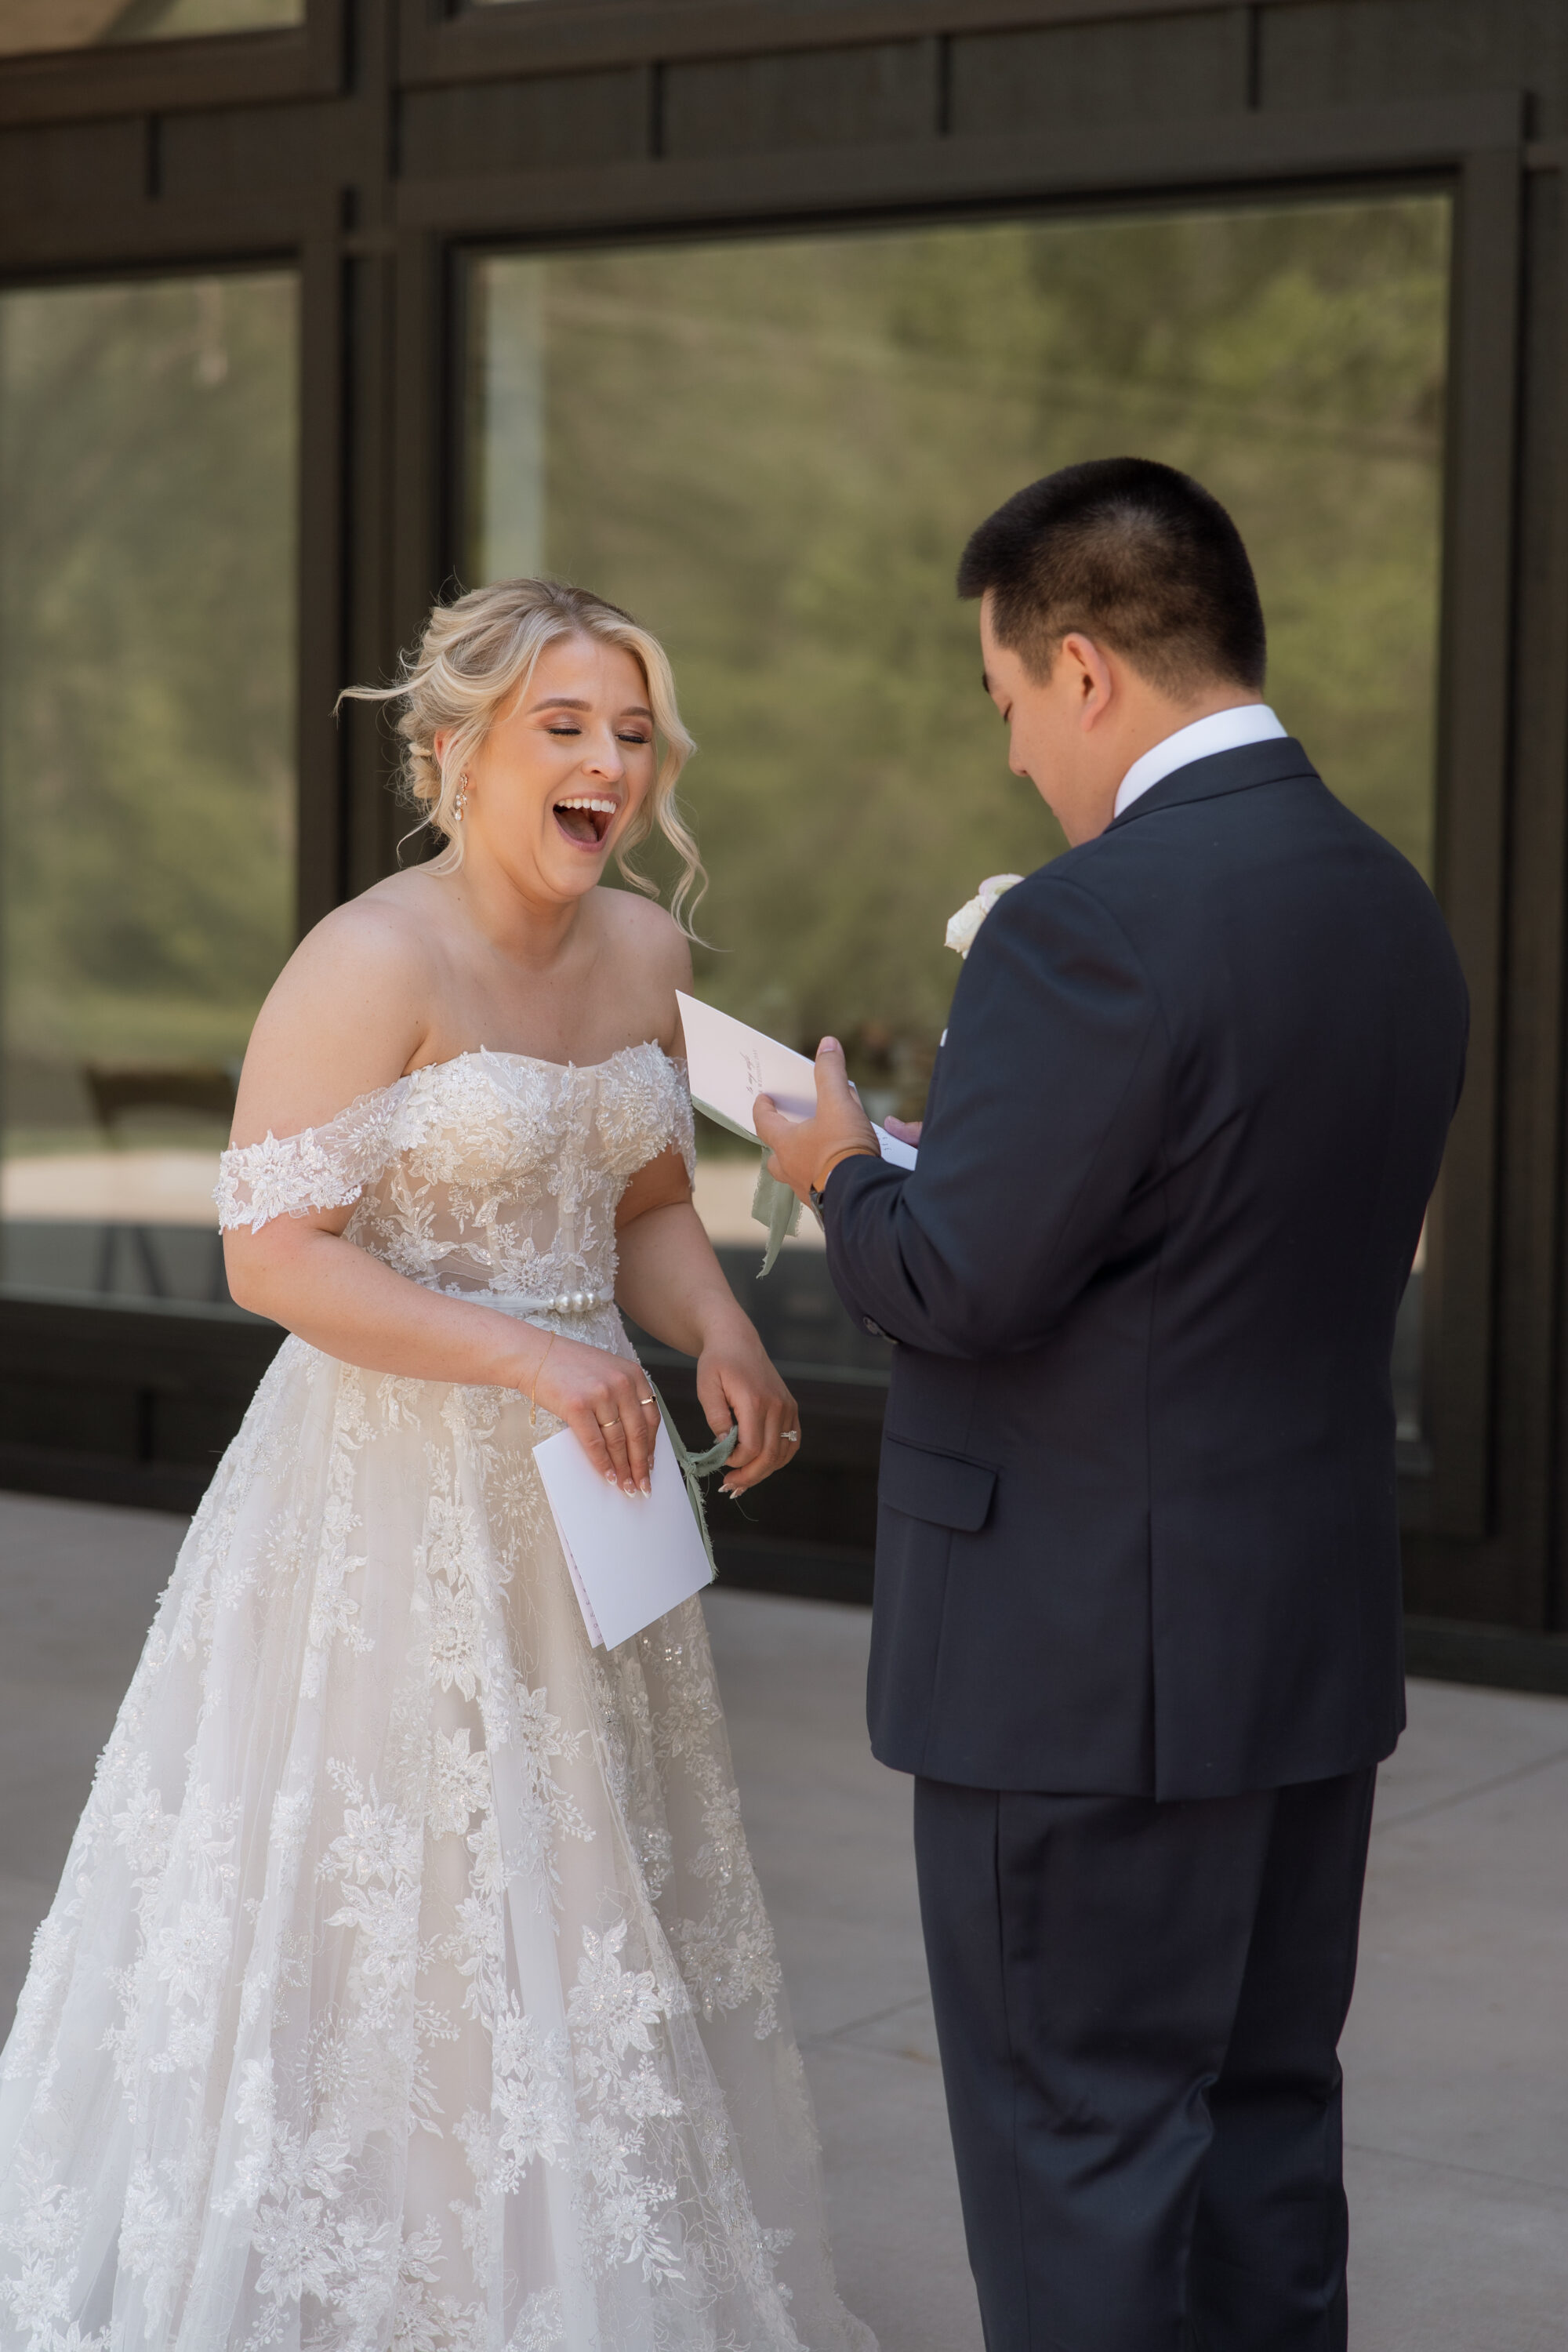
x: 1138, y: 1528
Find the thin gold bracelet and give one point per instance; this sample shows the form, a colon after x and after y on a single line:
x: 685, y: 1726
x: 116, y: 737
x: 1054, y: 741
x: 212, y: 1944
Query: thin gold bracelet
x: 533, y: 1391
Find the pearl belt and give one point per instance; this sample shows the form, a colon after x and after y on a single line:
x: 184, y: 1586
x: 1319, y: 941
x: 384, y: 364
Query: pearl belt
x: 565, y: 1302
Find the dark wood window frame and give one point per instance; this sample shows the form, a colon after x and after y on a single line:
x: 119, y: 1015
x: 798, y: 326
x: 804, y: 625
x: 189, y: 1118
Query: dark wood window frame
x: 378, y: 249
x: 455, y: 40
x: 169, y: 77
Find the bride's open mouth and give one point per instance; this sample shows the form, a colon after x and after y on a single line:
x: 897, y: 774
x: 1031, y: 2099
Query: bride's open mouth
x: 585, y: 818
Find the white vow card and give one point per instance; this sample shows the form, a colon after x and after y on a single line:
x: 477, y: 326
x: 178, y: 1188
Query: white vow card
x: 731, y: 1066
x: 632, y: 1558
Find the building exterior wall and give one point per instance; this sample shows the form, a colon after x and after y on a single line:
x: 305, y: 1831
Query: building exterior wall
x: 385, y: 137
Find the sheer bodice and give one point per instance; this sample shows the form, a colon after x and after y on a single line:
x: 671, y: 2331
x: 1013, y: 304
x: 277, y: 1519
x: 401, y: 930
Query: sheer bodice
x: 493, y: 1172
x: 409, y: 1988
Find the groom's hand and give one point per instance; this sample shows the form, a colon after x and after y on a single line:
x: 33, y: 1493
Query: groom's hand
x: 805, y: 1151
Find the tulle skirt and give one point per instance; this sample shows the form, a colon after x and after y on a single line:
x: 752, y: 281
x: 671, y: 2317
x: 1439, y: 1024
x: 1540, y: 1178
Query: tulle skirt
x: 409, y: 1984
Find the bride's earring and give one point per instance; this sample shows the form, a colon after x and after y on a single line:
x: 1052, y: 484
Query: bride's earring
x: 460, y: 799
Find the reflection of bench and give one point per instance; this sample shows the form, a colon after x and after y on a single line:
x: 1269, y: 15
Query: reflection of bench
x: 202, y: 1091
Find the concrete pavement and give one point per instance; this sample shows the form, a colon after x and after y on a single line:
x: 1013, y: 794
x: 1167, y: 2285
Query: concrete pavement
x: 1456, y: 2057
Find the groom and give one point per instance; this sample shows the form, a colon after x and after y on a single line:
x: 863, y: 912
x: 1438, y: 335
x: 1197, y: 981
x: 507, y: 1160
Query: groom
x: 1137, y: 1624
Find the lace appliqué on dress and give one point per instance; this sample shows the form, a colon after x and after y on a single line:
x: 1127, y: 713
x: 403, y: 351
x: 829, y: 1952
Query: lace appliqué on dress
x: 454, y: 1127
x: 409, y: 1987
x: 321, y: 1168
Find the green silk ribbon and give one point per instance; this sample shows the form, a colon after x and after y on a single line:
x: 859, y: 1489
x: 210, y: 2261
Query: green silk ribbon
x: 695, y: 1468
x: 772, y: 1203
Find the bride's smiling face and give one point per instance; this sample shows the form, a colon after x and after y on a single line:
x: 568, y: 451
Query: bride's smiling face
x: 560, y: 775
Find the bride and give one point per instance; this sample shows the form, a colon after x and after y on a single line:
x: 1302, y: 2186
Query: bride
x: 409, y: 1984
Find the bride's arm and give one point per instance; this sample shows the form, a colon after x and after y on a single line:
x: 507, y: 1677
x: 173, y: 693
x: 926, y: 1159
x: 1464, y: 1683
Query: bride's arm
x: 670, y: 1280
x: 671, y: 1283
x: 344, y: 1020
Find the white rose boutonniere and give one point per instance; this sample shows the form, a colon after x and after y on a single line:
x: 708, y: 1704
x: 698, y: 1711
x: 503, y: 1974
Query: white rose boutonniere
x: 963, y: 930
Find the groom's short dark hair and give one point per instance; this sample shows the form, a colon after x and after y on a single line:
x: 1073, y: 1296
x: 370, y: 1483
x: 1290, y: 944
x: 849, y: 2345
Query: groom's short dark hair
x: 1131, y: 552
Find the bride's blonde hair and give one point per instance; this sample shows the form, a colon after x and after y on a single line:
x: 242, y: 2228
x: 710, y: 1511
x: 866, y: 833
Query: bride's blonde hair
x: 475, y: 656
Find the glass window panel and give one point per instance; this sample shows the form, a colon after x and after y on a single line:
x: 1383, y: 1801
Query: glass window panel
x: 774, y: 451
x: 37, y: 24
x: 147, y: 600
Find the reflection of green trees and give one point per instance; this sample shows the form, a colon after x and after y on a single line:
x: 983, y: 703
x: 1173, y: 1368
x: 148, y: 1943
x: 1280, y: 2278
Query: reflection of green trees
x: 172, y: 20
x: 774, y: 452
x: 25, y: 24
x: 147, y: 437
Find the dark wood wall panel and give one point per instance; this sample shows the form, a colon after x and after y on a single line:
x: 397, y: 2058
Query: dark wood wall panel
x: 37, y: 1413
x: 64, y: 171
x: 143, y: 1399
x: 826, y: 97
x: 528, y: 126
x: 1359, y: 52
x: 230, y: 155
x: 1085, y: 75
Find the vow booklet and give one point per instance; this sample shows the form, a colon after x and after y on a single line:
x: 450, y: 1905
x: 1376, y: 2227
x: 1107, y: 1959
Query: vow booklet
x: 632, y: 1558
x: 731, y: 1066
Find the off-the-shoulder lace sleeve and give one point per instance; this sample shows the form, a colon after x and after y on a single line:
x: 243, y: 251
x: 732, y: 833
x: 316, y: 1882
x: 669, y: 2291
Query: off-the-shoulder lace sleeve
x: 320, y: 1168
x: 645, y: 1107
x: 683, y: 1125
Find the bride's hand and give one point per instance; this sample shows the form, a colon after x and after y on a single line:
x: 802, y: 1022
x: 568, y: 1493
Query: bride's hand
x: 737, y: 1385
x: 605, y: 1403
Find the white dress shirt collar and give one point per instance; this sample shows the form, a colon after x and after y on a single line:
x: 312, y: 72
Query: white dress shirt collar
x: 1222, y: 730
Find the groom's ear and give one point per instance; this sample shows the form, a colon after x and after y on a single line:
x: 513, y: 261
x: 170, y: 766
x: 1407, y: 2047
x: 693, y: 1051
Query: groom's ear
x: 1092, y: 677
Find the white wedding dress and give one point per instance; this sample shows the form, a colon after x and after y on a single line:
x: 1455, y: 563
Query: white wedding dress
x: 409, y: 1988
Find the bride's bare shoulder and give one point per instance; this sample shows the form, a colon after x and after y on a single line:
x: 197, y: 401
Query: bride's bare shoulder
x: 366, y: 966
x: 346, y: 1014
x: 652, y: 958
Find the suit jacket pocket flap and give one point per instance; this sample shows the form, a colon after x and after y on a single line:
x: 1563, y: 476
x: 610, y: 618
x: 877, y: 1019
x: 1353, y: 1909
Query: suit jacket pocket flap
x: 946, y: 1488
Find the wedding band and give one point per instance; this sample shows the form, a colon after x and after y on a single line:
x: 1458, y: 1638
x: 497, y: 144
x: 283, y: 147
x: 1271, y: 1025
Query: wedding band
x: 790, y: 1436
x: 645, y: 1399
x: 614, y: 1422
